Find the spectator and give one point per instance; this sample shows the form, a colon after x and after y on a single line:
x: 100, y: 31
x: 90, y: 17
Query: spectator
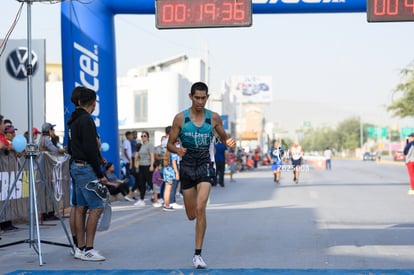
x: 232, y: 163
x: 48, y: 141
x: 85, y: 168
x: 256, y: 156
x: 220, y: 157
x: 127, y: 155
x: 409, y: 161
x: 4, y: 147
x: 35, y: 132
x: 146, y: 165
x: 156, y: 183
x: 116, y: 185
x: 170, y: 173
x: 10, y: 133
x: 328, y: 155
x: 134, y: 141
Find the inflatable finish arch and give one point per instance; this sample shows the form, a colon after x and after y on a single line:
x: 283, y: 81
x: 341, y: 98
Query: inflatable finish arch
x: 89, y: 56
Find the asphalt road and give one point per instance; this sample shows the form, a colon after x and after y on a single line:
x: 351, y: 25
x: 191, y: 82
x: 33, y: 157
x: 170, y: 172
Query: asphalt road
x: 356, y: 216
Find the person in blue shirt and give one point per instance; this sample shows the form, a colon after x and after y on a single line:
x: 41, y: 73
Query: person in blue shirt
x: 194, y: 127
x: 220, y: 158
x: 275, y: 156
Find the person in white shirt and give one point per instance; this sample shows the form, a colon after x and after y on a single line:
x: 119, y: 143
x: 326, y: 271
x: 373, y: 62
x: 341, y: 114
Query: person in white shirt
x: 127, y: 154
x: 296, y: 154
x: 328, y: 154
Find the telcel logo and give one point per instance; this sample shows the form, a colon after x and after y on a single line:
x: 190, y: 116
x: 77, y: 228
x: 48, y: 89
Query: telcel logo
x: 17, y: 61
x: 88, y: 74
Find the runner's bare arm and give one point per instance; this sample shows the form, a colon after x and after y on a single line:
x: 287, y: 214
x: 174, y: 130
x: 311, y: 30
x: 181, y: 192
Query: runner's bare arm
x: 174, y: 132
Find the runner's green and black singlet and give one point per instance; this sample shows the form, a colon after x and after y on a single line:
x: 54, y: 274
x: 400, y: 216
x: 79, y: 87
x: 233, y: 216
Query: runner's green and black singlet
x: 195, y: 163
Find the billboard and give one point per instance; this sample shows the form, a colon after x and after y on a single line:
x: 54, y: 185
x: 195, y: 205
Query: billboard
x: 14, y: 85
x: 252, y: 89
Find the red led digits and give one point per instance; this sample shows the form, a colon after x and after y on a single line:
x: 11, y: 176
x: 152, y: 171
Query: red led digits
x: 174, y: 14
x: 390, y: 10
x: 409, y: 4
x: 208, y: 10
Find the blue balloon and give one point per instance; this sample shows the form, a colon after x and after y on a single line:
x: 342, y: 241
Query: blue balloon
x: 104, y: 147
x: 19, y: 143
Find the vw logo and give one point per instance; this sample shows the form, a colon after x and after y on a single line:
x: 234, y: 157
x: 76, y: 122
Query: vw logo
x: 17, y: 61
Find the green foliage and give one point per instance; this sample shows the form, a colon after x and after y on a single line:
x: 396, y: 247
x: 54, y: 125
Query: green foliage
x: 345, y: 137
x: 403, y: 102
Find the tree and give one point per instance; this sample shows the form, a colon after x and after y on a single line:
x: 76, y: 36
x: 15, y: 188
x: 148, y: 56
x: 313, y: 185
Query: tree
x: 319, y: 139
x: 348, y: 132
x: 403, y: 106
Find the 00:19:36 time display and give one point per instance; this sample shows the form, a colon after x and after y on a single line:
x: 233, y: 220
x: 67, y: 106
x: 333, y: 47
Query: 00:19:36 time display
x: 197, y: 13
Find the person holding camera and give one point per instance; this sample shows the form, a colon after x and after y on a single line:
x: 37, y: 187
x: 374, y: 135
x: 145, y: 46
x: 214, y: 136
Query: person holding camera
x: 409, y: 160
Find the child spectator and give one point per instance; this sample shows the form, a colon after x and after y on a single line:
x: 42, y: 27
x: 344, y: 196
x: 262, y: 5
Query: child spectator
x: 157, y: 182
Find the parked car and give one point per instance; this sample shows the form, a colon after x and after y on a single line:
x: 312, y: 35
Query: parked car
x: 399, y: 156
x: 369, y: 156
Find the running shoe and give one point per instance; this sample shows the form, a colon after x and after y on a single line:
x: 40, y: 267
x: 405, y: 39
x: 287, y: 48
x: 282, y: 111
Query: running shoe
x: 176, y: 205
x: 157, y: 204
x: 92, y: 255
x: 169, y: 208
x: 140, y: 203
x: 127, y: 198
x: 199, y: 262
x: 78, y: 253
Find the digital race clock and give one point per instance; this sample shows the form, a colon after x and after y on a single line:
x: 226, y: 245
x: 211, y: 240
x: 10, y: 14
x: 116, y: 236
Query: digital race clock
x: 390, y: 10
x: 175, y: 14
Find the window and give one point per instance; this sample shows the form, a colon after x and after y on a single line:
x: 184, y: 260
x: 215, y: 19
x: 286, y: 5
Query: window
x: 141, y: 106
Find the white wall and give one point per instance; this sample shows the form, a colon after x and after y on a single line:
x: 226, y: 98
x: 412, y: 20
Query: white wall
x: 167, y: 95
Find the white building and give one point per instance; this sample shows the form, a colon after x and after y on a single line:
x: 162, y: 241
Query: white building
x: 148, y: 96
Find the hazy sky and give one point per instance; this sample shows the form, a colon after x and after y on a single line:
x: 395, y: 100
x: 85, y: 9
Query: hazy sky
x: 338, y: 60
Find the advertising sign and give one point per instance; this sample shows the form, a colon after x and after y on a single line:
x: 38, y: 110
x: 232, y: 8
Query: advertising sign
x: 13, y: 83
x: 252, y: 89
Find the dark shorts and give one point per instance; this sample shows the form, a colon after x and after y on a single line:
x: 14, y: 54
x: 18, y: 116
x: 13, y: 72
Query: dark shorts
x: 187, y: 183
x: 296, y: 162
x: 195, y: 167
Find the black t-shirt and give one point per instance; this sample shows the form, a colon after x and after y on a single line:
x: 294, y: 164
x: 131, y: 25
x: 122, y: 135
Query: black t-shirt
x: 83, y: 140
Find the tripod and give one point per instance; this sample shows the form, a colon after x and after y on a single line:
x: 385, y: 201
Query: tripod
x: 32, y: 151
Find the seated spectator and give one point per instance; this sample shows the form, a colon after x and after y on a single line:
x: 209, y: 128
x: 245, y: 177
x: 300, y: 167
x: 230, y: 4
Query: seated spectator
x: 250, y: 163
x: 116, y: 185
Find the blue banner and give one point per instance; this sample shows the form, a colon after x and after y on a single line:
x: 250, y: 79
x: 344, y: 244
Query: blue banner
x: 225, y: 119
